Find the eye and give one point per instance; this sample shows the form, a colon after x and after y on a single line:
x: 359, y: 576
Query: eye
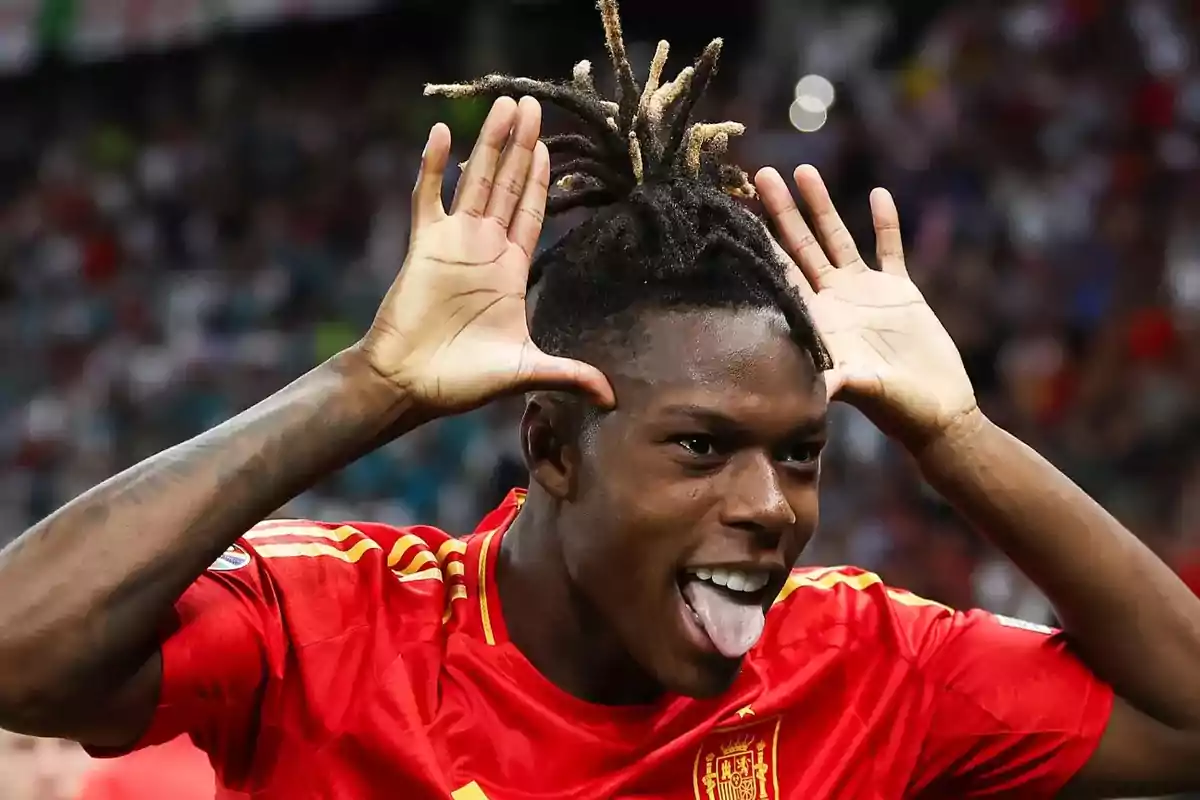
x: 700, y: 446
x: 802, y: 453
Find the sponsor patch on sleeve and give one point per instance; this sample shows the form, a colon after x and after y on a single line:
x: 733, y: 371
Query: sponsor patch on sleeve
x: 1013, y: 622
x: 232, y: 559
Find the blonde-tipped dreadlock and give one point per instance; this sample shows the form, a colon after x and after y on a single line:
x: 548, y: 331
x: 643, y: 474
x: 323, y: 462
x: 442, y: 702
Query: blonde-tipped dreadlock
x: 650, y: 124
x: 667, y: 233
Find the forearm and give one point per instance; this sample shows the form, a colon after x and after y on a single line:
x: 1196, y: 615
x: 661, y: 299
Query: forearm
x: 1131, y: 619
x: 82, y: 592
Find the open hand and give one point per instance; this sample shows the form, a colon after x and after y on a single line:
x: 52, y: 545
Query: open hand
x: 451, y: 333
x: 892, y: 357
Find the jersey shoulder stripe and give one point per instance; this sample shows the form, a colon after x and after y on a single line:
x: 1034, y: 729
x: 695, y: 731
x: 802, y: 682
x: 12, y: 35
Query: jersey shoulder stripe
x: 290, y: 538
x: 351, y: 555
x: 298, y: 530
x: 406, y: 553
x: 832, y: 579
x: 353, y: 563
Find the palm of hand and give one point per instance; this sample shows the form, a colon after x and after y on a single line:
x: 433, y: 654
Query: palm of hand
x: 889, y: 349
x: 892, y: 358
x: 479, y: 334
x: 451, y: 334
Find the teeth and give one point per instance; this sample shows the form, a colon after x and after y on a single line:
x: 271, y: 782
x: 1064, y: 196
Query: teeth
x: 755, y: 581
x: 734, y: 579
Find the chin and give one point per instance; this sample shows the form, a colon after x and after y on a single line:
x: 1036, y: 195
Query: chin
x: 703, y: 678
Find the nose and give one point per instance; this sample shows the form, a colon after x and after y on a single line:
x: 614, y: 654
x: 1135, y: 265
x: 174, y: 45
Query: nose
x: 754, y: 499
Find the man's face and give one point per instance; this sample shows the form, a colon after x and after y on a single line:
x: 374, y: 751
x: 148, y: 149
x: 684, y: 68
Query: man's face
x: 705, y: 474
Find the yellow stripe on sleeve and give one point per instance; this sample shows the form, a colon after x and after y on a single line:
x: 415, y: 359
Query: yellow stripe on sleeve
x: 828, y: 580
x: 315, y: 550
x: 433, y: 574
x: 400, y: 549
x: 909, y: 599
x: 340, y: 534
x: 421, y: 560
x: 859, y: 582
x: 451, y: 546
x: 792, y: 583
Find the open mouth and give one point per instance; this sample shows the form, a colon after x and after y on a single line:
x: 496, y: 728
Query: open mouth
x: 725, y: 607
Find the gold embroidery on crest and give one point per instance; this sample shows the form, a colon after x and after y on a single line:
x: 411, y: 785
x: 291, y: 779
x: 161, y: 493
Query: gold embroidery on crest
x: 739, y: 763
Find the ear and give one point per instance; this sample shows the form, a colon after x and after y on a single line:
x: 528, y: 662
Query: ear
x: 550, y: 442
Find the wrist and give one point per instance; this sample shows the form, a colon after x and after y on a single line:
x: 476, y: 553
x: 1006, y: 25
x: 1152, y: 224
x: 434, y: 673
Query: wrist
x: 371, y: 394
x: 961, y: 434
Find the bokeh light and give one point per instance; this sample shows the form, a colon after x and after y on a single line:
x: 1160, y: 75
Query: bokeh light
x: 807, y: 116
x: 814, y: 96
x: 817, y: 87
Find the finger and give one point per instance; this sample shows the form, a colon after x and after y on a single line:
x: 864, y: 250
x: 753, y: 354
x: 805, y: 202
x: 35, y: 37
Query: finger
x: 475, y: 185
x: 797, y: 239
x: 552, y: 373
x: 889, y: 246
x: 526, y: 226
x: 854, y: 386
x: 835, y: 379
x: 514, y: 164
x: 839, y: 244
x: 795, y: 275
x: 427, y: 191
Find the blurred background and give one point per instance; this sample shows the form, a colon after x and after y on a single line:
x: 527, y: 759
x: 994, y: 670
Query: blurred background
x: 201, y: 199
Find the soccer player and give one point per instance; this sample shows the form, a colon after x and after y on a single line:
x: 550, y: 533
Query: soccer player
x: 632, y: 626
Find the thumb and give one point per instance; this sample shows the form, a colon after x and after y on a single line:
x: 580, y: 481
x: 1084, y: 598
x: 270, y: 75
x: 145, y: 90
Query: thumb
x: 565, y: 374
x: 835, y: 379
x: 844, y: 382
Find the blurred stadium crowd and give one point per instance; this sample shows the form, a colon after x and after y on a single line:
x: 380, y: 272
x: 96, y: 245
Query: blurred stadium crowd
x: 181, y: 235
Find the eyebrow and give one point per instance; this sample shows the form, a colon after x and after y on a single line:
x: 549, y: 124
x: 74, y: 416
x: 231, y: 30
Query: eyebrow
x: 718, y: 421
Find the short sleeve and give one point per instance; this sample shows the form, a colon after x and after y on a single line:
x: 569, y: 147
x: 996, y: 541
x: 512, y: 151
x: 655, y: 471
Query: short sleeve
x: 220, y: 648
x: 1013, y: 714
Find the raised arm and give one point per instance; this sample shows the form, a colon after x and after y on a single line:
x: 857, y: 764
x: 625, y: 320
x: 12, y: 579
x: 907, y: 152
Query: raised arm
x: 83, y: 592
x: 1130, y: 619
x: 1126, y: 615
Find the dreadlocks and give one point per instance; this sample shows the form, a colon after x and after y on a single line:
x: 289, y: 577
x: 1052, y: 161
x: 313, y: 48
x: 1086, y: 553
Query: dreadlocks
x: 668, y: 232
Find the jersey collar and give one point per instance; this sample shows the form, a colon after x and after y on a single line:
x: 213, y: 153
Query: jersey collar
x: 483, y: 550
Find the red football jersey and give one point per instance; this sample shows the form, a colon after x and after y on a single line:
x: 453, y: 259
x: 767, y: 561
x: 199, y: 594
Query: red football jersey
x: 359, y: 661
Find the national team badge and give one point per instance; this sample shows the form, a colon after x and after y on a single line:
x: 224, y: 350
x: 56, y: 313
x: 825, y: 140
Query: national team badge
x: 739, y: 762
x: 233, y: 558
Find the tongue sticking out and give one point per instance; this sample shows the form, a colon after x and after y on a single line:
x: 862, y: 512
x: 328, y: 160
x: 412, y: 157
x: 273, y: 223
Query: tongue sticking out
x: 733, y: 627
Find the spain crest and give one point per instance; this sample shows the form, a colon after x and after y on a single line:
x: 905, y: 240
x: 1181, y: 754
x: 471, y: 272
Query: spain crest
x: 739, y: 763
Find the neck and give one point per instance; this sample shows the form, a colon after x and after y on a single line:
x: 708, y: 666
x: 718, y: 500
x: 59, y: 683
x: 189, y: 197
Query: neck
x: 552, y: 624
